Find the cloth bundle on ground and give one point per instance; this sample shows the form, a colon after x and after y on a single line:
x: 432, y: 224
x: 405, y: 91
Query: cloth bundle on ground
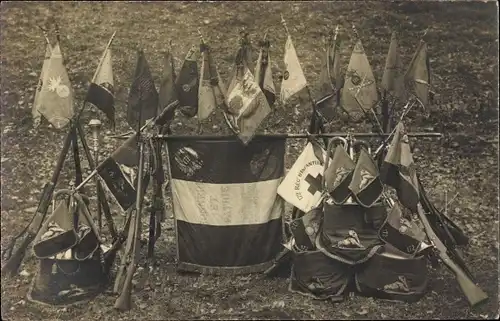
x: 350, y: 232
x: 73, y: 264
x: 58, y: 234
x: 337, y: 248
x: 393, y: 277
x: 314, y: 274
x: 318, y: 276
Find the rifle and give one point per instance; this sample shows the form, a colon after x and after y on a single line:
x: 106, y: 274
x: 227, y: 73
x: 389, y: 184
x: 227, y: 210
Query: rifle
x: 452, y: 233
x: 157, y: 214
x: 123, y: 302
x: 157, y: 206
x: 445, y: 229
x: 123, y: 263
x: 95, y: 125
x: 78, y: 167
x: 14, y: 261
x: 472, y: 292
x: 128, y: 248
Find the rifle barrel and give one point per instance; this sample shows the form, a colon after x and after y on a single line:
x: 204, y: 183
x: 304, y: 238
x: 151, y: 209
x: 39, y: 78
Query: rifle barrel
x: 123, y: 302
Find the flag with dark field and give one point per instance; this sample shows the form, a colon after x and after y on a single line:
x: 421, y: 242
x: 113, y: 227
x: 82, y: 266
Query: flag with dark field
x: 228, y: 214
x: 167, y: 94
x: 187, y: 84
x: 366, y: 185
x: 338, y: 176
x: 111, y: 171
x: 398, y: 170
x: 330, y: 78
x: 143, y: 97
x: 264, y: 73
x: 305, y: 229
x: 402, y: 233
x: 101, y: 90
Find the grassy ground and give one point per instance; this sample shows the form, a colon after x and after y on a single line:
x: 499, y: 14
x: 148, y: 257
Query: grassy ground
x: 463, y: 44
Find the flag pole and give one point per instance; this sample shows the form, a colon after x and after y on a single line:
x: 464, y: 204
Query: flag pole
x: 313, y: 103
x: 103, y: 56
x: 406, y: 109
x: 295, y: 136
x: 202, y: 42
x: 45, y: 34
x: 58, y: 35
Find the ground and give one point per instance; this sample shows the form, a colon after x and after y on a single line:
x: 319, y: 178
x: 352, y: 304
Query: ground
x: 463, y: 46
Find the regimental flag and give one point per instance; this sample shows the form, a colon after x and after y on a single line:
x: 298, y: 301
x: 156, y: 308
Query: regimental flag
x: 293, y: 77
x: 418, y: 76
x: 101, y: 91
x: 56, y: 94
x: 228, y: 215
x: 330, y: 76
x: 187, y: 84
x: 302, y: 184
x: 167, y: 94
x: 305, y: 229
x: 37, y: 117
x: 398, y: 170
x: 326, y: 97
x: 247, y: 104
x: 211, y: 91
x: 366, y: 185
x: 113, y: 169
x: 360, y: 90
x: 143, y: 97
x: 241, y: 59
x: 264, y: 73
x: 334, y: 62
x: 338, y: 176
x: 402, y: 233
x: 393, y: 78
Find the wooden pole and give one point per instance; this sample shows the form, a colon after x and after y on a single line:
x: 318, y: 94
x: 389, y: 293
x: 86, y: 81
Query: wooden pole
x: 292, y: 136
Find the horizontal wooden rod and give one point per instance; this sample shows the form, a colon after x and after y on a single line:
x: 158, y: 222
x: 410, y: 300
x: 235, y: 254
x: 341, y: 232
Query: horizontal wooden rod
x: 290, y: 136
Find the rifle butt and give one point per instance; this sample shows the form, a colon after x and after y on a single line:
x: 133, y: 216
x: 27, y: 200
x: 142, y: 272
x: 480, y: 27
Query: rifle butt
x: 474, y: 294
x: 12, y: 265
x: 124, y: 301
x: 118, y: 285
